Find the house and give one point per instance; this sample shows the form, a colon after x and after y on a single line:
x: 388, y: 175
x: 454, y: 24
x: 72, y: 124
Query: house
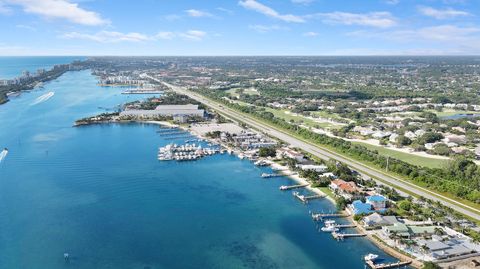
x: 358, y: 207
x: 441, y: 249
x: 378, y: 202
x: 377, y: 220
x: 347, y: 190
x: 457, y: 139
x: 399, y: 229
x: 289, y: 153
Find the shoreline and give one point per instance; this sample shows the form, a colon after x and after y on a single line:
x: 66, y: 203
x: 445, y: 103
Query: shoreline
x: 287, y: 172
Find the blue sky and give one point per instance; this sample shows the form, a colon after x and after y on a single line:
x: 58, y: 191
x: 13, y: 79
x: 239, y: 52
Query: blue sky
x: 239, y: 27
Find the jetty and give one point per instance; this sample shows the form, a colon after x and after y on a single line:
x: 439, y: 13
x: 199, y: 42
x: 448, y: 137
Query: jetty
x: 320, y: 216
x: 304, y: 199
x: 388, y: 265
x: 341, y: 236
x: 291, y: 187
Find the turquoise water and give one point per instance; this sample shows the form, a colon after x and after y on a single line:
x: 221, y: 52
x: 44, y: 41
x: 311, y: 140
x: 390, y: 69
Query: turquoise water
x: 11, y: 67
x: 99, y: 193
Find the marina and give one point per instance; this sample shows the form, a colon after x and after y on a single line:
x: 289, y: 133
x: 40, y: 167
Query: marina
x: 216, y: 202
x: 187, y: 152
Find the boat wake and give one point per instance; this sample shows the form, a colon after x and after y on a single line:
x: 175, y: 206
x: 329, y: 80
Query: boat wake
x: 3, y: 154
x: 43, y: 98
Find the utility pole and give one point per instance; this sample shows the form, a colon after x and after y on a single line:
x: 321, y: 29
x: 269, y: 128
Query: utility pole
x: 388, y: 161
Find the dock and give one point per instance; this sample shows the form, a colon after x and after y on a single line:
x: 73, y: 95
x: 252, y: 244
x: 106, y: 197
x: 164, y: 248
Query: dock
x: 388, y: 265
x: 345, y: 226
x: 320, y: 216
x: 265, y: 175
x: 341, y: 236
x: 291, y: 187
x: 304, y: 198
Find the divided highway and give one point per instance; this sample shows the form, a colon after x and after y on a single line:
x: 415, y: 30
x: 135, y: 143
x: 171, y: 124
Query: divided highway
x: 326, y: 154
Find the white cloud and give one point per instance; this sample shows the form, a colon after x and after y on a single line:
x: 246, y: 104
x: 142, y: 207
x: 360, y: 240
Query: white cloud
x: 266, y: 28
x: 4, y: 9
x: 224, y: 10
x: 441, y: 14
x: 108, y: 37
x: 60, y: 9
x: 197, y: 13
x: 165, y: 35
x: 310, y: 34
x: 373, y: 19
x: 193, y: 35
x: 268, y: 11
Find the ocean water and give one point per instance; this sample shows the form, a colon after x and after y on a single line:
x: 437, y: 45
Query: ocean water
x: 13, y: 66
x: 99, y: 193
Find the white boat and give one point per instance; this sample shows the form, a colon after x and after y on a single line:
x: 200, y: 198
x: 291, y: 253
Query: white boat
x: 330, y: 229
x: 329, y: 222
x: 370, y: 257
x: 3, y: 154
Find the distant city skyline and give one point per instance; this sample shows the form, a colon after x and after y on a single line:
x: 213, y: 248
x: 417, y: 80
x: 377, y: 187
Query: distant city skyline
x: 239, y: 27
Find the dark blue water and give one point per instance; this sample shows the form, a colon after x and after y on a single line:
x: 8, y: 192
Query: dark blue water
x: 99, y: 193
x: 13, y: 66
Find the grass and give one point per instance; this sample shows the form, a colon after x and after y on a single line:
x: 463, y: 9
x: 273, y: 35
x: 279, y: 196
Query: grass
x: 406, y: 157
x: 327, y: 191
x: 367, y: 164
x: 299, y: 119
x: 326, y: 115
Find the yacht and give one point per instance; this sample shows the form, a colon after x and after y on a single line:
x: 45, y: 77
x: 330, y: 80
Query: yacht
x: 370, y: 257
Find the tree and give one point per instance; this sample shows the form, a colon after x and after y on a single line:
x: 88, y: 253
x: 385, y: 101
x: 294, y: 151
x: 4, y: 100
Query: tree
x: 430, y: 265
x: 341, y: 203
x: 403, y: 141
x: 267, y: 152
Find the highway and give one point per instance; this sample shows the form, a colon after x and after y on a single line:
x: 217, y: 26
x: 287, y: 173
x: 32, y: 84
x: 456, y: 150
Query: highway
x: 326, y: 154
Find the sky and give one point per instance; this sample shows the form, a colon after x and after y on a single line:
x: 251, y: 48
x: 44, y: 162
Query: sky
x: 239, y: 27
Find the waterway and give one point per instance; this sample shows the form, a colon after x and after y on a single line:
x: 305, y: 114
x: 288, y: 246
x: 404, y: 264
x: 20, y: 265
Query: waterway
x: 13, y: 66
x: 99, y: 193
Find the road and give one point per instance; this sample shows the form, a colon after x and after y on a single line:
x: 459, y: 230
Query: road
x: 326, y: 154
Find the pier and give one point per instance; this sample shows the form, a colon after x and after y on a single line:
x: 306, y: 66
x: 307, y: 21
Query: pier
x: 265, y: 175
x: 304, y: 198
x: 388, y: 265
x: 341, y: 236
x: 291, y: 187
x: 320, y: 216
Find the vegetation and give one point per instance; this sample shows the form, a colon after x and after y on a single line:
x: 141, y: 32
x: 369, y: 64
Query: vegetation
x: 461, y: 178
x: 267, y: 152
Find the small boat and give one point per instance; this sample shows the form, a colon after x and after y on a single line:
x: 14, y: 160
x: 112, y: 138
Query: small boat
x: 370, y: 257
x: 330, y: 229
x: 330, y: 222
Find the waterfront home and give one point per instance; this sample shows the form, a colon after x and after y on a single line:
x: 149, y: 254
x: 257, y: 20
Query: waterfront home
x: 378, y: 202
x: 443, y: 249
x: 358, y: 207
x: 376, y: 220
x: 373, y: 203
x: 398, y: 229
x: 347, y: 190
x: 290, y: 153
x: 409, y: 231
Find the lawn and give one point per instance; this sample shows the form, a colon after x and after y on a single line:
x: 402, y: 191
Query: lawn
x: 300, y: 119
x: 406, y: 157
